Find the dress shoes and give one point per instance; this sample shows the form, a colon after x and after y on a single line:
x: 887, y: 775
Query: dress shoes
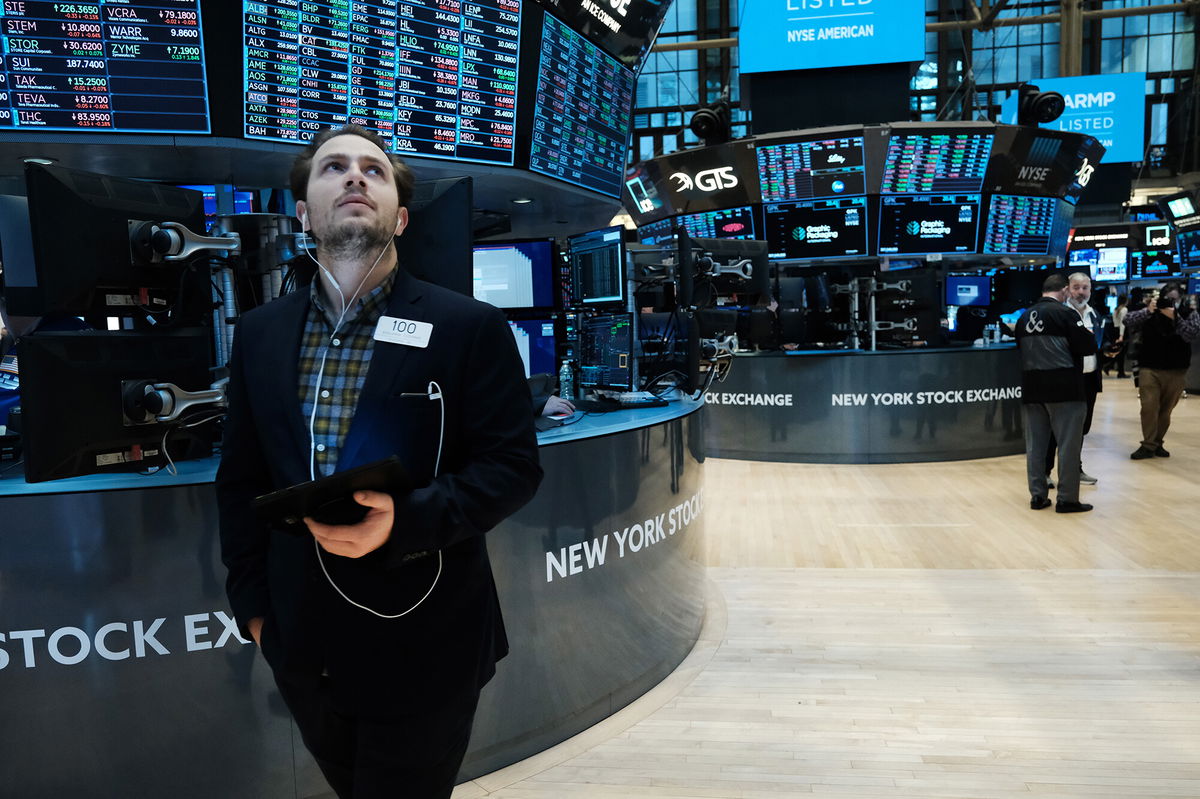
x: 1037, y: 503
x: 1161, y: 453
x: 1071, y: 507
x: 1141, y: 453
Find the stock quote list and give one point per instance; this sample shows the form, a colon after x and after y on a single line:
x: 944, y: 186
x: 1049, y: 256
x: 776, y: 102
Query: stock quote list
x: 581, y: 117
x: 103, y: 66
x: 436, y: 78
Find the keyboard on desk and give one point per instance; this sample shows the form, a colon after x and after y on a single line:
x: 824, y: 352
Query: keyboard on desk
x: 619, y: 402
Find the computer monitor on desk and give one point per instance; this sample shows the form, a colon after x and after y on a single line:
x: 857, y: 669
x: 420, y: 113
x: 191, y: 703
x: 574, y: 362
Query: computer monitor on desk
x: 606, y: 359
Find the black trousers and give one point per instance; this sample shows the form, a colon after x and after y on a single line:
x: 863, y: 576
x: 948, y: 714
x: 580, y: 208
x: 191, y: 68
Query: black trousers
x: 414, y: 756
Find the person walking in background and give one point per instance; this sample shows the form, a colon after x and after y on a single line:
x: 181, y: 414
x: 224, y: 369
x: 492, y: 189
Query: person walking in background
x: 1052, y: 342
x: 1168, y: 326
x: 1119, y: 323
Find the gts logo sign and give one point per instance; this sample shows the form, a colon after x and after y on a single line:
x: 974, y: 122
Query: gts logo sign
x: 708, y: 180
x: 1038, y: 173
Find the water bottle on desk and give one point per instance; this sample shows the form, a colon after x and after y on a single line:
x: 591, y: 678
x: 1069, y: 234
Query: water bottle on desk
x: 566, y: 381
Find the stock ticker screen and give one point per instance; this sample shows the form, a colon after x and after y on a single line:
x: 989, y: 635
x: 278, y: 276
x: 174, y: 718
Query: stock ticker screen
x: 104, y: 66
x: 834, y: 228
x: 806, y: 170
x: 436, y: 78
x: 581, y: 112
x: 732, y: 223
x: 936, y: 163
x: 939, y: 223
x: 1020, y: 224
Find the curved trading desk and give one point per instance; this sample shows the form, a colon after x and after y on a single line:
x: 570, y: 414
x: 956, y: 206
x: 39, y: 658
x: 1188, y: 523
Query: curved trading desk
x: 868, y: 407
x: 122, y: 671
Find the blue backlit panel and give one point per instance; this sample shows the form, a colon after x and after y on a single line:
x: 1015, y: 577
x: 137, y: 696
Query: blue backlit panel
x: 103, y: 66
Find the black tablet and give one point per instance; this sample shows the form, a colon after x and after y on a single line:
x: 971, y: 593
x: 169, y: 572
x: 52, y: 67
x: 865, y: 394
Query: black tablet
x: 330, y: 500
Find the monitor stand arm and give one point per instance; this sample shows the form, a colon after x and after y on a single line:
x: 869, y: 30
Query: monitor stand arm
x: 145, y: 402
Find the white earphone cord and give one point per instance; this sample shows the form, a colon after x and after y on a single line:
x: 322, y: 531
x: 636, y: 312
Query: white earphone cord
x: 434, y: 391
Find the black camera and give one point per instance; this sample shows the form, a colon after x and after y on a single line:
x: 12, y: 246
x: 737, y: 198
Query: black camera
x: 1165, y: 302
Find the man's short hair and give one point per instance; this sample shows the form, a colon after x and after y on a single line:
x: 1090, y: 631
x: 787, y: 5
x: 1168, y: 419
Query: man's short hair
x: 1171, y: 286
x: 302, y: 166
x: 1055, y: 282
x: 1079, y: 276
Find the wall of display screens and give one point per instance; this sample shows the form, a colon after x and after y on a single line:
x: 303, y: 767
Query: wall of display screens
x: 103, y: 66
x: 436, y: 79
x: 581, y: 112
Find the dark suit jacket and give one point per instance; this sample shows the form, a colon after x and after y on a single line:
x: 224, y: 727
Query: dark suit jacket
x: 489, y: 469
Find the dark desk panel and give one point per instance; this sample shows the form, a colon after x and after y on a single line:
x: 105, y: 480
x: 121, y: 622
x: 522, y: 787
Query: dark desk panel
x: 122, y: 675
x: 883, y: 407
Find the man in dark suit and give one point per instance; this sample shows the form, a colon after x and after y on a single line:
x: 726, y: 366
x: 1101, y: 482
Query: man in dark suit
x: 380, y: 634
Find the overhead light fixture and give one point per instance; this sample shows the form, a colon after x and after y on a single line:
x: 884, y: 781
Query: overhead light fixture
x: 522, y: 200
x: 42, y: 161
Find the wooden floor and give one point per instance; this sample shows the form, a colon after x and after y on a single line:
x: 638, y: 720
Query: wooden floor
x: 917, y: 631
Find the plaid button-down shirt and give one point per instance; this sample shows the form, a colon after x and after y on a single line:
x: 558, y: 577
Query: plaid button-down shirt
x: 347, y: 352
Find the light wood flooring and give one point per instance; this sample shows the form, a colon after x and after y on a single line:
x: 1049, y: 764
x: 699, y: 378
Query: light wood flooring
x: 917, y: 631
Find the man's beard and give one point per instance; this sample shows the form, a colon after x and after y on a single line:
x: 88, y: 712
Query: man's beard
x: 350, y: 240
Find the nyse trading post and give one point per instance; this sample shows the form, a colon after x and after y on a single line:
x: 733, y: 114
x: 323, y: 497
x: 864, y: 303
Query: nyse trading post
x: 103, y: 66
x: 936, y: 163
x: 941, y: 223
x: 437, y: 78
x: 806, y: 170
x: 581, y: 112
x: 834, y: 228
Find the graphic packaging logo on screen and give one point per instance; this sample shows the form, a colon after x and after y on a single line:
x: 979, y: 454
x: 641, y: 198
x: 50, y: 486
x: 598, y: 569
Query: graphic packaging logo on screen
x: 1111, y: 108
x: 776, y: 35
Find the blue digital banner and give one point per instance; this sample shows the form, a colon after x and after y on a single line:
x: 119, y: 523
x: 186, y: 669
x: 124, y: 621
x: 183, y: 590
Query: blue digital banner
x: 1111, y: 108
x: 777, y: 35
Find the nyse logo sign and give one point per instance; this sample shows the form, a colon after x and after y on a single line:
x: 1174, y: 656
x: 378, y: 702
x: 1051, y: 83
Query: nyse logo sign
x: 1035, y: 173
x: 709, y: 180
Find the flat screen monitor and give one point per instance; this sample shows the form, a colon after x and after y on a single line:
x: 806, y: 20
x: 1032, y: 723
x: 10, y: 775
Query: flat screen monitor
x: 434, y: 81
x: 942, y: 223
x: 969, y: 290
x: 514, y: 274
x: 1187, y: 244
x: 1182, y: 205
x: 606, y: 352
x: 597, y: 262
x: 1020, y: 225
x: 581, y: 113
x: 815, y: 229
x: 1180, y: 209
x: 436, y: 245
x: 74, y: 387
x: 1153, y: 265
x: 70, y: 252
x: 936, y: 162
x: 658, y: 232
x: 1104, y: 264
x: 108, y: 67
x: 1193, y: 285
x: 731, y: 223
x: 243, y: 201
x: 808, y: 169
x: 537, y: 344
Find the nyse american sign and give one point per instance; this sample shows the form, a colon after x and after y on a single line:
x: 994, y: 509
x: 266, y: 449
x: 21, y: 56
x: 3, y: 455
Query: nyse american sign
x: 1112, y: 108
x: 780, y: 35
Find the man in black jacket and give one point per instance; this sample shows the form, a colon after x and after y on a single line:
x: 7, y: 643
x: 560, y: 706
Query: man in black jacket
x: 1053, y: 342
x: 380, y: 634
x: 1168, y: 325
